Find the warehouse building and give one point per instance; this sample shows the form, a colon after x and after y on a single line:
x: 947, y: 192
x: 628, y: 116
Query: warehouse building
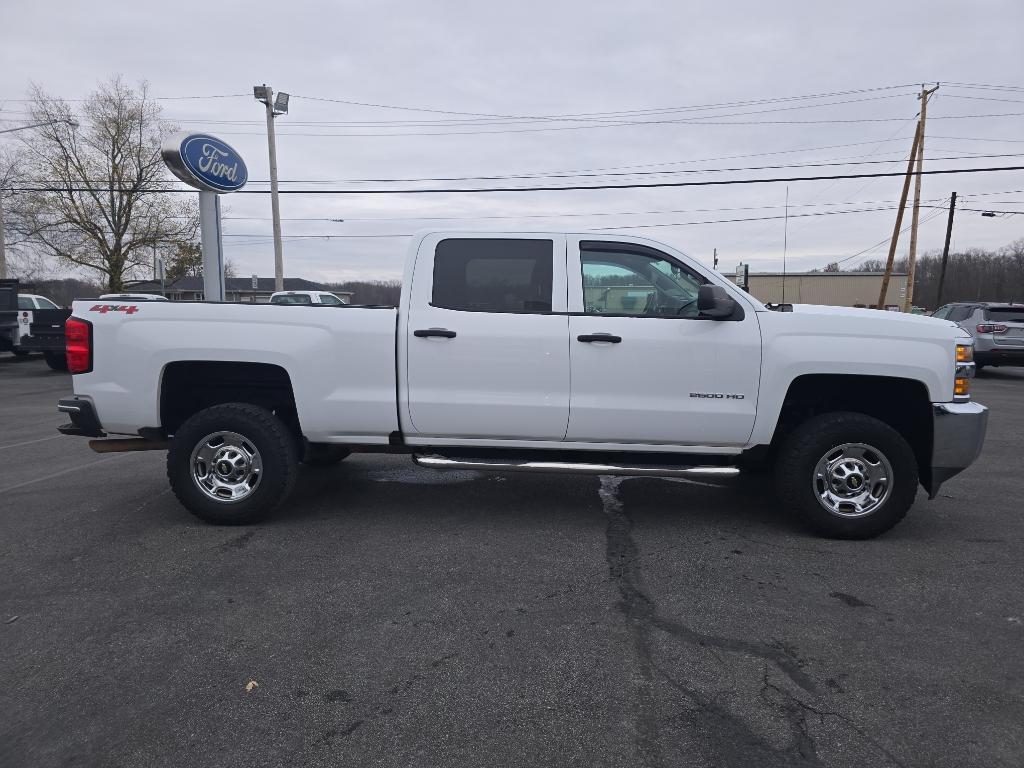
x: 837, y: 289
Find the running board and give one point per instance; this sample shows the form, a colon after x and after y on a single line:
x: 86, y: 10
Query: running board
x: 433, y: 461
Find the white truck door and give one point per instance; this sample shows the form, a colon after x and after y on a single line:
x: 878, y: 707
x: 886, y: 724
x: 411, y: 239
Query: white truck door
x: 486, y: 357
x: 645, y: 369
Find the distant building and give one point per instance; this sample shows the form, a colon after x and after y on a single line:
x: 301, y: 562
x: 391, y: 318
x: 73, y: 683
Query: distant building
x: 240, y: 289
x: 837, y: 289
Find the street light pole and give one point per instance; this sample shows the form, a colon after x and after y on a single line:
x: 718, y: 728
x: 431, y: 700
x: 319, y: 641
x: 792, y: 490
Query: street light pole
x: 274, y: 108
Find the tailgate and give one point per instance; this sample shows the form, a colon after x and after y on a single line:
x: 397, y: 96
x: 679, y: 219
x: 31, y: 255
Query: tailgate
x: 1013, y: 319
x: 46, y: 331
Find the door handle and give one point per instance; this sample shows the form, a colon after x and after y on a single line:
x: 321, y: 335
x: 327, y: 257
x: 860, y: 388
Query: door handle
x: 590, y: 337
x: 426, y: 333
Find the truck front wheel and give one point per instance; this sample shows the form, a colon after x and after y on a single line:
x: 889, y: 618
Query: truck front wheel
x: 232, y: 464
x: 324, y: 454
x: 847, y: 475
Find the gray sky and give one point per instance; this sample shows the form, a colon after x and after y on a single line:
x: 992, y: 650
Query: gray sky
x: 557, y: 58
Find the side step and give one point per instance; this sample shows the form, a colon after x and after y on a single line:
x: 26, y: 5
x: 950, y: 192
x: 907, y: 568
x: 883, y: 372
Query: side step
x: 433, y: 461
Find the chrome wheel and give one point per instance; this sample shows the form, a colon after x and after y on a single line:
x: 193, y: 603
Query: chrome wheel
x: 852, y: 480
x: 226, y: 466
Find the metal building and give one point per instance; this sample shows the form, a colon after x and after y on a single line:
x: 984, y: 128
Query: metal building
x: 837, y: 289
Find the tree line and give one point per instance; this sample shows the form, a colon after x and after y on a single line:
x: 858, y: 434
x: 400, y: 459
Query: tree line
x: 974, y: 274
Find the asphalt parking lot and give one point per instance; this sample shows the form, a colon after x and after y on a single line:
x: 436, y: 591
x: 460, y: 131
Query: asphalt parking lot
x: 396, y: 617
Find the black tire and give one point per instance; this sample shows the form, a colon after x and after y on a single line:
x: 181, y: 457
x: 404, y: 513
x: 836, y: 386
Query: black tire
x: 799, y: 487
x: 275, y: 448
x: 57, y: 361
x: 325, y: 454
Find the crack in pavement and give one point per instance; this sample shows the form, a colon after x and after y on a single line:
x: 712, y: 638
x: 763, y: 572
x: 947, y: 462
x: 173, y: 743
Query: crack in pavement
x: 642, y: 617
x: 796, y: 712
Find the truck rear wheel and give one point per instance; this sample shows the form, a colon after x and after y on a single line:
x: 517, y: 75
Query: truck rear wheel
x: 57, y: 361
x: 847, y: 475
x: 232, y: 464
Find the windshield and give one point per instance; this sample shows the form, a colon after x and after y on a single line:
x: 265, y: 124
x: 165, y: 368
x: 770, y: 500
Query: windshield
x: 330, y: 298
x: 45, y: 303
x: 291, y: 298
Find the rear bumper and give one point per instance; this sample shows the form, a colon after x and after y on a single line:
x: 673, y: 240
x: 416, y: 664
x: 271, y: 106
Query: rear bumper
x: 958, y: 435
x: 84, y: 421
x: 1000, y: 356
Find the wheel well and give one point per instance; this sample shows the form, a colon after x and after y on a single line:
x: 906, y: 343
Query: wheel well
x: 903, y: 404
x: 190, y: 386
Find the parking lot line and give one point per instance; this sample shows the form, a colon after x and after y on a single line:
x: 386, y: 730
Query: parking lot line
x: 30, y: 442
x: 16, y: 486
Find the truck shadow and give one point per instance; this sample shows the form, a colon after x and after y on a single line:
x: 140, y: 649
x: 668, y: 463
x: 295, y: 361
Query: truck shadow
x: 371, y: 486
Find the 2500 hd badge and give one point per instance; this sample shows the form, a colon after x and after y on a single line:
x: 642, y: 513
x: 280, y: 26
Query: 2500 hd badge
x: 717, y: 395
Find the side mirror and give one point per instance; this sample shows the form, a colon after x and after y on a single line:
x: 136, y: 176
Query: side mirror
x: 714, y: 302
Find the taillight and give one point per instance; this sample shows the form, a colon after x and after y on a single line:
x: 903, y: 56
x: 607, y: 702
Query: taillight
x: 992, y: 328
x: 78, y: 345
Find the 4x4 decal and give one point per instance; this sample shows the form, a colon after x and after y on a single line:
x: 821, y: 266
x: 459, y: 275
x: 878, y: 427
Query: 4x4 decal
x: 128, y: 309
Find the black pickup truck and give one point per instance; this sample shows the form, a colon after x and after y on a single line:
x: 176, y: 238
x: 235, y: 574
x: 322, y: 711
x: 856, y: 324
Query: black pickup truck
x: 45, y: 331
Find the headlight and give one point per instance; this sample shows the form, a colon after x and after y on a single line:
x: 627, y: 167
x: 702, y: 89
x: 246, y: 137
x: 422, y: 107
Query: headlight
x: 964, y: 371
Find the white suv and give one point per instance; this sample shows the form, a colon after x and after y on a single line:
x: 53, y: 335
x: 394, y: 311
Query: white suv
x: 998, y: 330
x: 307, y: 297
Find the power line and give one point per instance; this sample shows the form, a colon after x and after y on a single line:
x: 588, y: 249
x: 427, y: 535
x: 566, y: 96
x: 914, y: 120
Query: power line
x: 720, y: 105
x: 149, y: 98
x: 973, y: 156
x: 333, y: 236
x: 478, y: 122
x: 938, y: 212
x: 565, y: 188
x: 681, y: 121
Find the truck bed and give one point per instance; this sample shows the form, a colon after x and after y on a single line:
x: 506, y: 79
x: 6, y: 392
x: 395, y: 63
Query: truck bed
x: 340, y: 360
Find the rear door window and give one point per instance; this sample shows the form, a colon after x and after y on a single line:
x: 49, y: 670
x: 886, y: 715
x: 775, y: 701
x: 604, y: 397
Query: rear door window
x: 959, y: 314
x: 24, y: 302
x: 493, y: 275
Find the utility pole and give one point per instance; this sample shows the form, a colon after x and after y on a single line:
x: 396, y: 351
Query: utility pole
x: 274, y: 108
x: 945, y: 248
x: 899, y: 219
x: 908, y: 303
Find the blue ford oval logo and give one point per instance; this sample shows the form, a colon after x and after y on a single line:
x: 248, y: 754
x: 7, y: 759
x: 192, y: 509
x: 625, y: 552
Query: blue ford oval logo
x: 205, y: 162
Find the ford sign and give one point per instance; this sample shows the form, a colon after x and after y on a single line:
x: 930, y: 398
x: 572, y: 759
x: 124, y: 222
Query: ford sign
x: 204, y: 162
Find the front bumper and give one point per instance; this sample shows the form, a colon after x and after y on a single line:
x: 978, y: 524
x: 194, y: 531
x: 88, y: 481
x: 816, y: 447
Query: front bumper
x: 957, y: 437
x: 84, y: 421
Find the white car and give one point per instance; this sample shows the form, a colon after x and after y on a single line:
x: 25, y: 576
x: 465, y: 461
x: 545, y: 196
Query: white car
x: 307, y: 297
x: 27, y: 304
x: 557, y: 352
x: 133, y: 297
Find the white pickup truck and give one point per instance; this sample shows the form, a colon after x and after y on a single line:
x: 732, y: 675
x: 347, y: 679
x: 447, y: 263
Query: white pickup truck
x: 543, y: 352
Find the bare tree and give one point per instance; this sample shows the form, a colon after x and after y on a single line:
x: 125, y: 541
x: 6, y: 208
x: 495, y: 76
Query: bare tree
x: 99, y: 198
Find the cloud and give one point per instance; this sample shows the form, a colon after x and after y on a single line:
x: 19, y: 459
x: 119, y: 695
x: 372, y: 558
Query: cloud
x: 532, y: 58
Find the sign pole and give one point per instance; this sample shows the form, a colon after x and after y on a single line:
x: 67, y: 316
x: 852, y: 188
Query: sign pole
x: 214, y: 168
x: 212, y: 246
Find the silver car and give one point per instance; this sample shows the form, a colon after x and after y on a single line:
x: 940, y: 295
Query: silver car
x: 998, y: 330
